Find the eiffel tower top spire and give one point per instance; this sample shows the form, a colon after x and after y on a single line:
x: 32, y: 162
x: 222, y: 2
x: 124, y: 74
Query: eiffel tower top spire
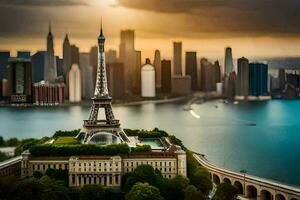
x: 101, y: 89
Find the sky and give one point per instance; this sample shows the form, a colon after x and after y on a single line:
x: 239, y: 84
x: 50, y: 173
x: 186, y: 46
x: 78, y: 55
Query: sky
x: 253, y: 28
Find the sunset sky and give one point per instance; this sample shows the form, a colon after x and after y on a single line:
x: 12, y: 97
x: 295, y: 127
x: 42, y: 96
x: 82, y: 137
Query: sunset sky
x: 253, y: 28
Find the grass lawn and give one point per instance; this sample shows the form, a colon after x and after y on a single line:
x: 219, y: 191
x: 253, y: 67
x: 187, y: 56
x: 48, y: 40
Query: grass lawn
x: 66, y: 140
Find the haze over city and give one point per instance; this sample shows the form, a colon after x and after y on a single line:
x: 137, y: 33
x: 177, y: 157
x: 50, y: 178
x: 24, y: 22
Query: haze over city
x: 252, y: 28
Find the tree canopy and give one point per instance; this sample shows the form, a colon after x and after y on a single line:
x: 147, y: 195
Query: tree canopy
x: 143, y: 191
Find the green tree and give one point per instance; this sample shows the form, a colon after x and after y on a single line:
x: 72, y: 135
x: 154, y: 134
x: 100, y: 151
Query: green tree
x: 29, y: 189
x: 225, y: 191
x: 143, y: 173
x: 54, y: 189
x: 2, y: 142
x: 143, y: 191
x: 192, y: 193
x: 95, y: 192
x: 3, y: 156
x: 201, y: 179
x: 173, y: 189
x: 58, y: 174
x: 12, y: 142
x: 37, y: 174
x: 7, y: 187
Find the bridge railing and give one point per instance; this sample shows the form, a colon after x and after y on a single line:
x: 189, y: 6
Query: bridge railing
x: 248, y: 178
x: 10, y: 162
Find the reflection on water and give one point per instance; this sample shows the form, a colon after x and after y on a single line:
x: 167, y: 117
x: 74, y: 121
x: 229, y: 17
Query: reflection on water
x: 260, y: 137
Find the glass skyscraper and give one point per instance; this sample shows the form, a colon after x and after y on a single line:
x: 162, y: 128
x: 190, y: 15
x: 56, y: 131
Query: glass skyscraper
x: 258, y: 79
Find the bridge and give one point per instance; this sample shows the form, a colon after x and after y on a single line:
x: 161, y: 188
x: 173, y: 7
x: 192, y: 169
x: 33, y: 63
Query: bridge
x: 249, y: 187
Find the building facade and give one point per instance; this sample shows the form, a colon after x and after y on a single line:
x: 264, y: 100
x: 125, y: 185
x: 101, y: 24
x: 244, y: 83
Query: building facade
x: 50, y: 72
x: 148, y: 80
x: 242, y: 86
x: 106, y: 170
x: 20, y: 80
x: 46, y: 93
x: 75, y: 84
x: 177, y: 58
x: 228, y: 61
x: 166, y: 74
x: 181, y: 85
x: 116, y: 80
x: 258, y: 79
x: 158, y: 71
x: 191, y: 68
x: 38, y: 66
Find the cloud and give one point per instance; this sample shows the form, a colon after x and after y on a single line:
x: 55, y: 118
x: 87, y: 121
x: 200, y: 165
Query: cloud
x: 246, y: 17
x: 42, y: 2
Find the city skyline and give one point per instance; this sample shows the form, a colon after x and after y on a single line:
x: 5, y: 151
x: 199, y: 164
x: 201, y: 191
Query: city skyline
x: 154, y: 26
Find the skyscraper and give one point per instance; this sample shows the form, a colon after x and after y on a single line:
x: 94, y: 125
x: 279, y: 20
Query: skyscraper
x: 75, y: 84
x: 136, y: 83
x: 242, y: 86
x: 111, y: 56
x: 86, y: 74
x: 128, y: 56
x: 4, y: 55
x: 157, y: 65
x: 38, y: 66
x: 166, y: 74
x: 116, y: 80
x: 258, y: 79
x: 177, y: 58
x: 148, y: 80
x: 281, y: 77
x: 74, y: 54
x: 50, y: 67
x: 67, y: 62
x: 191, y: 68
x: 209, y: 75
x: 20, y: 80
x: 60, y: 67
x: 228, y: 61
x: 94, y: 62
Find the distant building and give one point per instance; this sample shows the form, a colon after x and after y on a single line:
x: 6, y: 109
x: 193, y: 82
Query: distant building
x: 136, y: 87
x: 38, y: 66
x: 75, y: 84
x: 116, y: 80
x: 210, y: 75
x: 23, y: 54
x: 4, y: 56
x: 67, y: 56
x: 228, y: 61
x: 60, y: 67
x: 258, y: 79
x: 94, y: 62
x: 158, y: 70
x: 148, y: 80
x: 46, y: 93
x: 5, y: 92
x: 242, y: 86
x: 181, y: 85
x: 86, y: 74
x: 50, y: 72
x: 177, y: 58
x: 111, y: 56
x: 74, y: 54
x: 166, y: 74
x: 230, y: 85
x: 20, y: 80
x: 282, y: 79
x: 191, y: 68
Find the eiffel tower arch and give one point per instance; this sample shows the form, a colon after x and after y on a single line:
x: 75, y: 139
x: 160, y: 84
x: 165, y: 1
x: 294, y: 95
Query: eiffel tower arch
x: 108, y: 130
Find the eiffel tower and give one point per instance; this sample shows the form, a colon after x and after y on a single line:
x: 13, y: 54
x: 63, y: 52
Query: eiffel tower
x: 108, y: 130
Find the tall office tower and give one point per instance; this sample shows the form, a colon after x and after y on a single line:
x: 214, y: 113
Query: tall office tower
x: 67, y: 54
x: 209, y: 75
x: 191, y: 68
x: 177, y: 58
x: 136, y: 83
x: 217, y: 71
x: 228, y: 61
x: 128, y: 57
x: 75, y: 84
x: 242, y: 86
x: 74, y: 54
x: 86, y: 75
x: 23, y: 54
x: 20, y: 80
x: 148, y: 80
x: 50, y: 67
x: 166, y: 74
x: 60, y: 67
x: 38, y: 66
x: 258, y: 79
x: 5, y: 88
x: 230, y: 85
x: 116, y: 80
x: 4, y: 56
x: 281, y: 76
x: 157, y: 65
x: 94, y: 61
x: 111, y: 56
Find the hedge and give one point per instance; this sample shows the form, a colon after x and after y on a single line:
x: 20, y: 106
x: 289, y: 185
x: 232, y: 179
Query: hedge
x: 72, y: 133
x: 155, y: 133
